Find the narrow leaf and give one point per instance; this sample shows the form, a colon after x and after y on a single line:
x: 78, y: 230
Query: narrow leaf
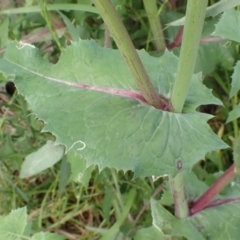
x: 235, y: 80
x: 125, y: 211
x: 42, y: 159
x: 234, y: 114
x: 4, y: 26
x: 51, y: 7
x: 64, y: 175
x: 236, y: 155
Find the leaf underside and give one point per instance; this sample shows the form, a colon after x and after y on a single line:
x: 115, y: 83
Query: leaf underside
x: 90, y: 102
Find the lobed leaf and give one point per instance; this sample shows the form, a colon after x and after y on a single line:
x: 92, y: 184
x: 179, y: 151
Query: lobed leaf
x: 228, y: 27
x: 12, y: 226
x: 90, y: 102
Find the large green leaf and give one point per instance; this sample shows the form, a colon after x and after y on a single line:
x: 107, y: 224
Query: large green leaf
x: 90, y: 102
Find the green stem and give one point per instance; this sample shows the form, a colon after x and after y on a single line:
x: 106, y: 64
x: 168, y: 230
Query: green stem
x: 196, y: 11
x: 125, y: 45
x: 155, y: 24
x: 179, y: 195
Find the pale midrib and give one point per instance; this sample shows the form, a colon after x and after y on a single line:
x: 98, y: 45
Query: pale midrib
x: 114, y: 91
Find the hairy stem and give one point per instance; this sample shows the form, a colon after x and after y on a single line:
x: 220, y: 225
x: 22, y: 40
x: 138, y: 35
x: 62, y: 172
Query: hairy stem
x: 179, y: 195
x: 216, y: 188
x: 196, y: 11
x: 125, y: 45
x: 155, y: 24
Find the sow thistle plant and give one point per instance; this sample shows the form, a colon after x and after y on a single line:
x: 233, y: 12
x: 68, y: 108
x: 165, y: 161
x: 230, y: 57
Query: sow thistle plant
x: 127, y: 110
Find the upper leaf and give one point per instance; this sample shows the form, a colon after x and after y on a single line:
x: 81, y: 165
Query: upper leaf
x: 212, y: 11
x: 90, y: 102
x: 229, y: 25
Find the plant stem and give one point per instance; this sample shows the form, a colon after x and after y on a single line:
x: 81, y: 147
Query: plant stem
x: 196, y: 11
x: 179, y: 195
x: 125, y: 45
x: 155, y: 24
x: 216, y: 188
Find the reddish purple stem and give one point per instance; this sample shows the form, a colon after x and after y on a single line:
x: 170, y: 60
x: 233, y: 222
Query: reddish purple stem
x: 216, y: 188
